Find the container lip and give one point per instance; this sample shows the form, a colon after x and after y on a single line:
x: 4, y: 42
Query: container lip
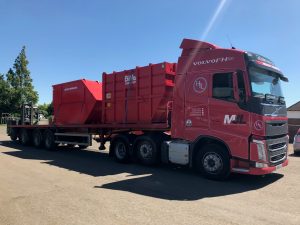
x: 69, y: 82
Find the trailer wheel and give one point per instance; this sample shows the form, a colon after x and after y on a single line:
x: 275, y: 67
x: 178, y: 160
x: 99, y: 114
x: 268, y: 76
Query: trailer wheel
x: 70, y: 145
x: 120, y: 147
x: 49, y: 140
x: 81, y: 147
x: 147, y: 150
x: 25, y: 138
x: 37, y: 138
x: 13, y: 134
x: 213, y: 162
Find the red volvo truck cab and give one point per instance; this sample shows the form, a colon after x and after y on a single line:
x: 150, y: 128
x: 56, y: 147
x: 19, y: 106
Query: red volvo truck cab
x: 228, y: 109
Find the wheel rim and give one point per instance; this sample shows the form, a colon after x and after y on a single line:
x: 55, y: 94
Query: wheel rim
x: 146, y: 150
x: 212, y: 162
x: 120, y: 150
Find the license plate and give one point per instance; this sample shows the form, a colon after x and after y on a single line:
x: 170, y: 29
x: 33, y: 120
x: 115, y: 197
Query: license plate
x: 278, y: 166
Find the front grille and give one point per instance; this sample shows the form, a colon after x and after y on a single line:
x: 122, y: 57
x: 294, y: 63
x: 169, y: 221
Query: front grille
x: 277, y: 152
x: 277, y: 158
x: 277, y: 146
x: 277, y: 124
x: 276, y: 128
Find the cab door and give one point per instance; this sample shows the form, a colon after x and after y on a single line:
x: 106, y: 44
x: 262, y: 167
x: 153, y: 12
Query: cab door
x: 228, y: 119
x: 196, y: 104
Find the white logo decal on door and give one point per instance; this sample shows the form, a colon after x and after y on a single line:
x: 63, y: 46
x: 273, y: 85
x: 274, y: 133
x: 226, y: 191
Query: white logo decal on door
x: 200, y: 85
x: 229, y: 119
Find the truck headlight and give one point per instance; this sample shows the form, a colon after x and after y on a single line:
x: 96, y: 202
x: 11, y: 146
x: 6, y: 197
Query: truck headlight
x: 260, y: 150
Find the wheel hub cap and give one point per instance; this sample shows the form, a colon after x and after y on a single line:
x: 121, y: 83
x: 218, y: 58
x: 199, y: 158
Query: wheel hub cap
x: 146, y: 150
x: 120, y: 150
x: 212, y: 162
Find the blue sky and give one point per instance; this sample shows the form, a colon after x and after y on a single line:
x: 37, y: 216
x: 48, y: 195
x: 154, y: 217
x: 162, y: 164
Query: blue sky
x: 73, y: 39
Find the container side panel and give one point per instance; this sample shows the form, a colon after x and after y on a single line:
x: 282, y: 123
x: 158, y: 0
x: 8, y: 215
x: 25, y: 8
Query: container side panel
x: 140, y: 95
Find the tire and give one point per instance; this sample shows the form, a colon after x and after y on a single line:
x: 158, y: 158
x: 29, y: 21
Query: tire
x: 147, y: 150
x: 37, y: 138
x: 120, y: 149
x: 49, y: 140
x: 213, y: 162
x: 82, y: 147
x: 25, y: 137
x: 13, y: 134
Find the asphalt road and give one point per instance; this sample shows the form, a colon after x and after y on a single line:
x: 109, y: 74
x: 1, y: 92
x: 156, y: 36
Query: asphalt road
x: 87, y: 187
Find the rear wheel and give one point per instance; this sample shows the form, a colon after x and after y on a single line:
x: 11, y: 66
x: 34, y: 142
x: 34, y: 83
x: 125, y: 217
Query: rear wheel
x: 37, y: 138
x: 70, y: 145
x: 120, y: 148
x: 81, y: 147
x: 25, y: 138
x: 213, y: 162
x: 49, y: 140
x: 13, y: 134
x: 147, y: 150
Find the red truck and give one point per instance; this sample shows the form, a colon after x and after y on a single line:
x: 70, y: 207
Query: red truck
x: 217, y: 110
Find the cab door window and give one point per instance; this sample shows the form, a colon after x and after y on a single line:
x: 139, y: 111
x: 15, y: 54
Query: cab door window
x: 223, y: 86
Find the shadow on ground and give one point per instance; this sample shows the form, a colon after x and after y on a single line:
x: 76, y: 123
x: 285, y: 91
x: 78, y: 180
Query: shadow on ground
x: 164, y: 182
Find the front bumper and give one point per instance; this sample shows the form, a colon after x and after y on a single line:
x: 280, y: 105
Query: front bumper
x: 261, y: 171
x: 267, y: 170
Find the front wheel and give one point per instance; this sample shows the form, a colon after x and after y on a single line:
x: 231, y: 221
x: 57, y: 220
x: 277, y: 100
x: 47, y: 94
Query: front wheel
x: 213, y: 162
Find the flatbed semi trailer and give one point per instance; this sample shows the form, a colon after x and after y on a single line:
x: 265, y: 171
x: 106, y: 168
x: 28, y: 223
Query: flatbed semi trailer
x: 217, y: 110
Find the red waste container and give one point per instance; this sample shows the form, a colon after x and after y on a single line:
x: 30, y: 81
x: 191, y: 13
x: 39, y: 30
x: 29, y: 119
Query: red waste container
x: 138, y: 96
x: 77, y: 102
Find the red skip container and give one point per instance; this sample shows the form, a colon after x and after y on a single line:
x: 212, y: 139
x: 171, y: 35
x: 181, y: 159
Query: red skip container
x: 77, y: 102
x: 138, y: 96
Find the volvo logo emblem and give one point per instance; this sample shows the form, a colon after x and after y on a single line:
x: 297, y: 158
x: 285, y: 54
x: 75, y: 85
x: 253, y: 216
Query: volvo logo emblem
x: 258, y: 125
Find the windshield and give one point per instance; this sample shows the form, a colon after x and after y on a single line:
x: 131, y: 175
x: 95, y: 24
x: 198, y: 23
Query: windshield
x: 264, y: 82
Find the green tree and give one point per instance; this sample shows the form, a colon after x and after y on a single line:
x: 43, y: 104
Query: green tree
x: 50, y: 109
x: 46, y: 109
x: 4, y: 95
x: 21, y: 83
